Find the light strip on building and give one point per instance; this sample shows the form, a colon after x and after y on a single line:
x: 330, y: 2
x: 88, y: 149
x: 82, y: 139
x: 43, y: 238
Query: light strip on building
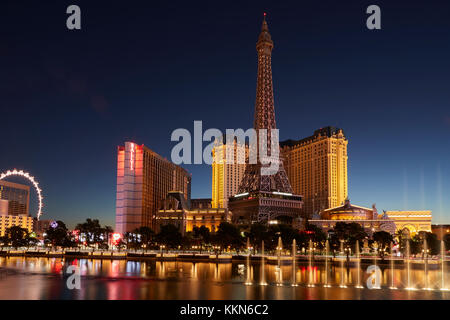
x: 282, y: 193
x: 241, y: 195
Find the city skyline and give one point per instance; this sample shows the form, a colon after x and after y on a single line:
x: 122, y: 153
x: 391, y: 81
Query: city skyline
x: 73, y: 150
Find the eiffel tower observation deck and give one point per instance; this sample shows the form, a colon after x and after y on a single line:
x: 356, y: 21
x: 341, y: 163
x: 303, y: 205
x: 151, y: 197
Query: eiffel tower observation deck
x: 265, y: 197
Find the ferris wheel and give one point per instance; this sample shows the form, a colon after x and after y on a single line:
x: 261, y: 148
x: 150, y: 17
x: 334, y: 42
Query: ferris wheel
x: 30, y: 178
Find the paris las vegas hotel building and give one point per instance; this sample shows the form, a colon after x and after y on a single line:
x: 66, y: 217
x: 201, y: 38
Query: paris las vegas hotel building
x: 152, y: 191
x: 316, y: 167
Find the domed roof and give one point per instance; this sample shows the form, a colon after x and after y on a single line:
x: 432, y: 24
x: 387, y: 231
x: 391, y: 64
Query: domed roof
x: 347, y: 211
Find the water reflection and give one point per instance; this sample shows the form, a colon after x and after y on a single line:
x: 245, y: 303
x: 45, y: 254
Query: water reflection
x: 42, y: 278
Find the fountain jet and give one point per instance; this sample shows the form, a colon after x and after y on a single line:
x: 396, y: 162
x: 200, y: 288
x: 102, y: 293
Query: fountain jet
x: 425, y: 264
x: 249, y: 279
x: 443, y: 288
x: 408, y: 265
x: 393, y: 287
x: 294, y: 268
x: 263, y: 274
x: 327, y: 249
x: 279, y: 274
x: 358, y: 266
x: 342, y: 285
x: 310, y: 274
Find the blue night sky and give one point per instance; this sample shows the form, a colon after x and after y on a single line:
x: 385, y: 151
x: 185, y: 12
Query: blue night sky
x: 137, y: 71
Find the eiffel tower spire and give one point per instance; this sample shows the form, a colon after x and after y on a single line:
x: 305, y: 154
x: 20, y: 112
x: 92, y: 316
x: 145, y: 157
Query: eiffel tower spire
x: 264, y: 197
x: 264, y: 104
x: 264, y: 119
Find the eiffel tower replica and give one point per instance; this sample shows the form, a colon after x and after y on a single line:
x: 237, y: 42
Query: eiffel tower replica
x: 264, y: 198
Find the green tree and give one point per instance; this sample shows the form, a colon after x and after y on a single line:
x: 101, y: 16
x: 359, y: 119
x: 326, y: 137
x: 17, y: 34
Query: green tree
x: 285, y: 231
x: 146, y: 234
x: 16, y: 237
x: 228, y: 235
x: 316, y: 234
x: 188, y: 240
x: 415, y: 244
x: 433, y: 244
x: 131, y: 240
x: 93, y: 232
x: 169, y: 236
x: 447, y: 241
x: 383, y: 239
x: 402, y: 239
x: 58, y: 236
x: 347, y: 232
x: 202, y: 233
x: 258, y: 233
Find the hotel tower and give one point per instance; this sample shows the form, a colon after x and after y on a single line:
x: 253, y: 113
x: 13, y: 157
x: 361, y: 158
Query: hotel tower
x: 317, y: 168
x: 143, y: 180
x: 14, y: 206
x: 228, y: 168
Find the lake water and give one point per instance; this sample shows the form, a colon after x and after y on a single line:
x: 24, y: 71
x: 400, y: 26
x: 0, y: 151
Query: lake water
x: 42, y: 278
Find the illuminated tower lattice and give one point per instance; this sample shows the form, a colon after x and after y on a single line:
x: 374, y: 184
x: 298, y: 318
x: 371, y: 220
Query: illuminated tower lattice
x: 264, y: 197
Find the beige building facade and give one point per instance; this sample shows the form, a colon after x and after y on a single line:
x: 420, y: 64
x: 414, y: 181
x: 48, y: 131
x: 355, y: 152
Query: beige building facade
x: 175, y: 210
x: 368, y: 218
x: 228, y: 168
x: 6, y: 222
x: 394, y: 222
x: 317, y: 168
x: 411, y: 222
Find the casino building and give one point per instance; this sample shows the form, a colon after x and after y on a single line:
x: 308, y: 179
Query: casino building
x: 409, y: 222
x: 317, y: 168
x: 228, y: 169
x: 368, y: 218
x: 177, y: 211
x: 143, y: 180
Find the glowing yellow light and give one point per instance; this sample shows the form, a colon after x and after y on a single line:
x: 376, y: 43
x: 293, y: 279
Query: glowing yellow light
x: 29, y: 178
